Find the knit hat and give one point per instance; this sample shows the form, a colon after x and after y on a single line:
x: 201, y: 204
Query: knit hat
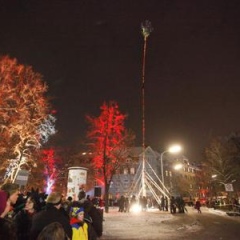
x: 76, y: 210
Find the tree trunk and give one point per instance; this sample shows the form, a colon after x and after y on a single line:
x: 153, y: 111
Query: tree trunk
x: 106, y: 198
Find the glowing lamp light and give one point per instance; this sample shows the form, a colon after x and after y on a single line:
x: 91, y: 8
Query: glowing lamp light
x: 178, y: 166
x: 172, y: 149
x: 136, y: 208
x: 175, y: 149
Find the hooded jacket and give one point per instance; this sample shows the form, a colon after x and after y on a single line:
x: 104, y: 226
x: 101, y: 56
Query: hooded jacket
x: 80, y: 230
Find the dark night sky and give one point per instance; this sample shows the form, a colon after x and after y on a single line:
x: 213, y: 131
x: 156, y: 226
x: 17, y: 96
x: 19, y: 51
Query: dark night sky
x: 90, y: 51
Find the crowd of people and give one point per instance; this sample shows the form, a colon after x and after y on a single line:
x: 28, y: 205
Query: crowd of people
x: 177, y: 204
x: 37, y: 216
x: 174, y: 204
x: 126, y: 204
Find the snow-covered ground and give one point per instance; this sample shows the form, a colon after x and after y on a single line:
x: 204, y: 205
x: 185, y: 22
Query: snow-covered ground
x: 152, y: 224
x: 157, y: 225
x: 216, y: 211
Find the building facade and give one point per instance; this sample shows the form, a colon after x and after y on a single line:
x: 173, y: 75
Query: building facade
x: 179, y: 174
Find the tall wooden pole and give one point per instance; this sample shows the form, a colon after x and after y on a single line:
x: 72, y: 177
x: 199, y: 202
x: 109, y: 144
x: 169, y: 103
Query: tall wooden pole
x: 146, y: 30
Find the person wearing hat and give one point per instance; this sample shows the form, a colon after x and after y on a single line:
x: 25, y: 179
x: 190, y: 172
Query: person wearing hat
x: 8, y: 197
x: 49, y: 215
x: 91, y: 211
x: 79, y: 227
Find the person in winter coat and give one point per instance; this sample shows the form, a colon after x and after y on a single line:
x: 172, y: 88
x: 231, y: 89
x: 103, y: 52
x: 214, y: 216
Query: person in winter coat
x: 198, y: 206
x: 23, y: 219
x: 7, y: 229
x: 8, y: 197
x: 53, y: 231
x: 126, y: 205
x: 93, y: 212
x: 79, y: 226
x: 77, y: 207
x: 49, y: 215
x: 121, y: 204
x: 173, y: 205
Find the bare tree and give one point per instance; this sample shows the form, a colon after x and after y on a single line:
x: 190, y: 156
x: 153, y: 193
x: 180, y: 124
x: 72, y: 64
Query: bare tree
x: 220, y: 160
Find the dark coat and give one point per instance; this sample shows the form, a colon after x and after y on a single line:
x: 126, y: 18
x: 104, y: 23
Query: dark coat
x: 7, y: 229
x: 47, y: 216
x: 23, y: 222
x: 94, y: 213
x: 97, y: 218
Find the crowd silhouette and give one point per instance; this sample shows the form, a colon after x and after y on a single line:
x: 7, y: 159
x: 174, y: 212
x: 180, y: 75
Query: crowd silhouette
x: 38, y: 216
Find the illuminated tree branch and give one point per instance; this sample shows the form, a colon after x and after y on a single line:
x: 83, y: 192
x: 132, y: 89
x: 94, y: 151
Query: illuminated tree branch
x: 108, y: 138
x: 24, y: 110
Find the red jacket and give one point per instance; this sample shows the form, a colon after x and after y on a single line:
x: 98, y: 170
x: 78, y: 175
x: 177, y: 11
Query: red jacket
x: 3, y: 201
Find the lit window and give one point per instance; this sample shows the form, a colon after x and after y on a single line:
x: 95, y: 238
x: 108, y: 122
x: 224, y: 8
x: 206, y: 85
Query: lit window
x: 132, y: 170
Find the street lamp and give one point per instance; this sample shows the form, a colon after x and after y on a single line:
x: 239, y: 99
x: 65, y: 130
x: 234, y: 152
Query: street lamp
x: 172, y: 149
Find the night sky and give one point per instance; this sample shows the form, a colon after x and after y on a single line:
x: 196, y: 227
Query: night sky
x: 90, y: 51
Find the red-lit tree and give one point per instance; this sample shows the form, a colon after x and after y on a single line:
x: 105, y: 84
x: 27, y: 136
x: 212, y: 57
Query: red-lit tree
x: 109, y: 141
x: 24, y: 116
x: 50, y: 170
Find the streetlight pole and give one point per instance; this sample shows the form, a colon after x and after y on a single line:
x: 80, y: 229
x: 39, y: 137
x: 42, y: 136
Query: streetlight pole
x: 162, y: 167
x: 173, y: 149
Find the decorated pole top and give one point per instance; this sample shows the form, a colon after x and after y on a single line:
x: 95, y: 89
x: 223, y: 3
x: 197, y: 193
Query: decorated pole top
x: 146, y: 28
